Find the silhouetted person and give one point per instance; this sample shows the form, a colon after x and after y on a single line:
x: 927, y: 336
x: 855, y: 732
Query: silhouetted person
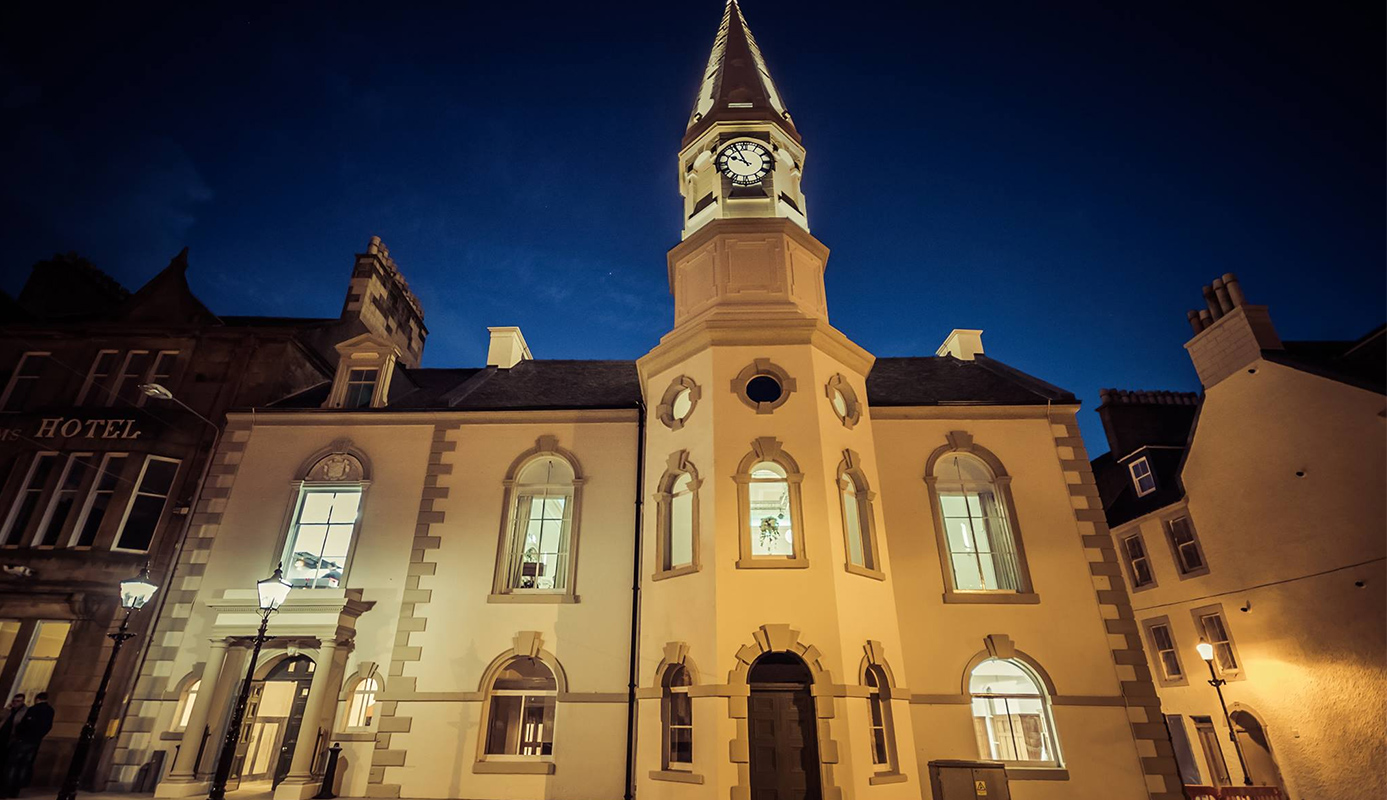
x: 10, y: 717
x: 25, y: 739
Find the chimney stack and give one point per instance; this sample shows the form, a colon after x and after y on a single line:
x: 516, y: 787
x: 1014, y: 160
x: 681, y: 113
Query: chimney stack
x: 962, y: 344
x: 507, y: 348
x: 1229, y: 334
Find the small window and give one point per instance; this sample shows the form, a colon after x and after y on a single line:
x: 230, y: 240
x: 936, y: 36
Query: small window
x: 859, y: 529
x: 362, y: 708
x: 1011, y: 714
x: 771, y: 522
x: 96, y: 388
x: 147, y: 506
x: 1189, y: 558
x: 843, y: 400
x: 678, y: 718
x: 982, y: 551
x: 132, y: 374
x: 1215, y: 630
x: 27, y: 501
x: 678, y: 402
x: 1167, y: 656
x: 9, y: 631
x: 521, y: 721
x: 98, y: 500
x: 321, y: 537
x: 361, y: 387
x: 1142, y: 477
x: 1138, y: 564
x: 19, y: 392
x: 44, y: 649
x: 60, y: 509
x: 184, y: 712
x: 681, y: 522
x: 879, y: 707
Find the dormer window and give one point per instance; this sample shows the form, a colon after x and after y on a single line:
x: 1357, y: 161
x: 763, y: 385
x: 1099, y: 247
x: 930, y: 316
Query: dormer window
x: 1142, y: 477
x: 363, y: 373
x: 361, y: 387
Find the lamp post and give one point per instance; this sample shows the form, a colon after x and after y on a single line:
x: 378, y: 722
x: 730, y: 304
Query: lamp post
x: 134, y: 593
x: 272, y: 591
x: 1206, y: 652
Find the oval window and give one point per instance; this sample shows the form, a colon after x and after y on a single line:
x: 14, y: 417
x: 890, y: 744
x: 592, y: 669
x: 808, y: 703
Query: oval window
x: 682, y: 405
x: 763, y: 389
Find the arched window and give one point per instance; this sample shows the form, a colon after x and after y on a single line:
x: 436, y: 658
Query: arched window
x: 541, y: 519
x: 772, y: 527
x: 978, y: 543
x: 521, y: 721
x: 677, y: 713
x: 1011, y: 713
x: 859, y: 527
x: 325, y: 522
x: 184, y: 712
x: 361, y: 709
x: 677, y: 509
x: 883, y: 734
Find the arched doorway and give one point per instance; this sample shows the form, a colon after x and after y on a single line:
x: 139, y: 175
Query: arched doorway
x: 783, y: 730
x: 274, y: 715
x: 1261, y: 765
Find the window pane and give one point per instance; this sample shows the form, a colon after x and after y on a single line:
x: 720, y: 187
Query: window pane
x: 680, y: 709
x: 967, y: 572
x: 680, y: 530
x: 189, y: 699
x: 322, y: 538
x: 852, y: 518
x: 37, y: 669
x: 503, y: 729
x: 140, y: 525
x: 528, y: 674
x: 770, y: 525
x: 537, y: 727
x: 681, y: 745
x: 878, y: 746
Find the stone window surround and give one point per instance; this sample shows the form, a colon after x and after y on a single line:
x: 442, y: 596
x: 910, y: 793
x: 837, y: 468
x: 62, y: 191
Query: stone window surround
x: 180, y: 696
x: 874, y: 657
x: 1135, y: 533
x: 763, y: 366
x: 365, y: 670
x: 525, y: 643
x: 1157, y: 671
x: 14, y: 377
x: 341, y: 447
x: 382, y: 361
x: 840, y: 384
x: 962, y: 442
x: 677, y: 465
x: 676, y: 654
x: 851, y: 465
x: 768, y: 448
x: 1000, y: 645
x: 1184, y: 513
x: 1217, y: 608
x: 501, y: 591
x: 665, y: 410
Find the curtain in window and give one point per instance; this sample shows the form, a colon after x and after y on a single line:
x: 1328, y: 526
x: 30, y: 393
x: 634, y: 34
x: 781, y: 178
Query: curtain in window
x: 1011, y: 714
x: 982, y: 550
x: 543, y: 517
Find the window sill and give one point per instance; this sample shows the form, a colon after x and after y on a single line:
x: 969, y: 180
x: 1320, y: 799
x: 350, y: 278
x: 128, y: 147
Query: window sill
x: 1037, y: 773
x: 887, y: 777
x: 866, y: 572
x: 171, y: 736
x: 773, y: 563
x: 1194, y: 573
x: 1013, y: 598
x: 532, y: 598
x: 687, y: 569
x: 675, y: 776
x: 514, y: 767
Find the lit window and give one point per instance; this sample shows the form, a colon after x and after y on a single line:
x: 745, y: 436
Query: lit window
x: 362, y: 708
x: 883, y: 738
x: 1163, y: 643
x: 132, y: 374
x: 95, y: 389
x: 1188, y: 557
x: 982, y: 552
x: 1142, y: 477
x: 1216, y: 633
x: 1011, y: 714
x: 9, y: 631
x: 543, y: 515
x: 60, y: 508
x: 361, y: 387
x: 147, y: 506
x: 678, y: 718
x: 1138, y: 564
x: 27, y: 501
x: 19, y: 392
x: 98, y: 500
x: 321, y: 537
x: 859, y: 531
x: 771, y: 522
x: 682, y: 405
x: 44, y: 649
x: 185, y: 705
x: 521, y: 720
x: 681, y: 522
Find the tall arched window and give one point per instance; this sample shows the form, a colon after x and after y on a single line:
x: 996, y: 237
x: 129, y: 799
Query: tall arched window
x: 883, y: 733
x: 979, y: 546
x: 859, y: 526
x: 325, y: 522
x: 1011, y: 713
x: 185, y: 706
x: 521, y: 720
x: 676, y: 500
x: 361, y: 709
x: 769, y: 498
x: 677, y: 713
x: 541, y: 513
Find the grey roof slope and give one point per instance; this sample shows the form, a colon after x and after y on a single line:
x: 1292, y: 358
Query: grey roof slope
x: 1361, y: 363
x: 945, y: 380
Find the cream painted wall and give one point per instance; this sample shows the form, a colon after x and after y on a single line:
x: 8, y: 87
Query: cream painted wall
x: 1290, y: 549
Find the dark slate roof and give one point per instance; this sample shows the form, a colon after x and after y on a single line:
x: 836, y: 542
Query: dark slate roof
x: 1119, y: 494
x: 945, y: 380
x: 1361, y: 363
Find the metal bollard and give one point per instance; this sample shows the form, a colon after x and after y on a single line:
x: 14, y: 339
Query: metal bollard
x: 330, y: 773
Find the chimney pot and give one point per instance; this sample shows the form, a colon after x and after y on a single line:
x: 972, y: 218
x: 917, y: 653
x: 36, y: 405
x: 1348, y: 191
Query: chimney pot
x: 1221, y: 294
x: 1196, y: 324
x: 1212, y: 302
x: 962, y: 343
x: 1206, y: 318
x: 1235, y: 289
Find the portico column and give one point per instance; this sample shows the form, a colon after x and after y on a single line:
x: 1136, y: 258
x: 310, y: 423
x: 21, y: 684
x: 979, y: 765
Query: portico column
x: 185, y: 765
x: 301, y: 767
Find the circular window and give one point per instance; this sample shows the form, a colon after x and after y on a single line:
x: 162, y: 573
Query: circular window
x: 764, y: 389
x: 843, y: 400
x: 840, y: 403
x: 678, y: 403
x: 682, y: 405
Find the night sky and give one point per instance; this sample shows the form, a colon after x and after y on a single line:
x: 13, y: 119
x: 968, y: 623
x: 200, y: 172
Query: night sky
x: 1064, y: 176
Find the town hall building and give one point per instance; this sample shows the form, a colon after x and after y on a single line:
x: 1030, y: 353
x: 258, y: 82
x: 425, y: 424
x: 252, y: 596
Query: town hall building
x: 757, y: 562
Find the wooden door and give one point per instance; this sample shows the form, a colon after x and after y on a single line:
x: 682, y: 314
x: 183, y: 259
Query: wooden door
x: 292, y: 730
x: 1213, y: 752
x: 784, y: 743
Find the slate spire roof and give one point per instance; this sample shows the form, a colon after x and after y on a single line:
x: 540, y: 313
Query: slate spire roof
x: 736, y: 85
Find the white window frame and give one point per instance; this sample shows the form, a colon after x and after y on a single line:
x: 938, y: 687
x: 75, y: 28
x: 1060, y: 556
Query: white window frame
x: 95, y: 380
x: 1157, y: 652
x: 306, y: 488
x: 1176, y: 548
x: 490, y: 709
x: 55, y: 495
x: 1137, y: 479
x: 1047, y: 713
x: 29, y: 656
x: 365, y: 694
x: 106, y: 465
x: 666, y: 701
x: 348, y: 383
x: 7, y: 532
x: 135, y: 495
x: 1131, y: 560
x: 15, y: 378
x: 879, y: 705
x: 1234, y: 672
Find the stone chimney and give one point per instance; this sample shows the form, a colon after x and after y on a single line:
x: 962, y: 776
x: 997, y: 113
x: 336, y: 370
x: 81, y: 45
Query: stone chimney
x: 379, y: 298
x: 1136, y: 419
x: 507, y: 348
x: 1229, y: 333
x: 962, y: 344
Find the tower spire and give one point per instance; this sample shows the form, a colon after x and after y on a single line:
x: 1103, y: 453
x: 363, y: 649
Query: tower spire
x: 736, y: 86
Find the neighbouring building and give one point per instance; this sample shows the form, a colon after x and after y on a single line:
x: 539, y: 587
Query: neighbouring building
x: 1251, y: 517
x: 99, y: 478
x: 757, y: 562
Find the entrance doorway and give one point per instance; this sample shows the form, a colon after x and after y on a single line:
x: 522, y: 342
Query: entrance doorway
x: 274, y: 715
x: 1261, y: 765
x: 783, y: 730
x: 1213, y: 751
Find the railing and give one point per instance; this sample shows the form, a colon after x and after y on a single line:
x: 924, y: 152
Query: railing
x: 1233, y: 793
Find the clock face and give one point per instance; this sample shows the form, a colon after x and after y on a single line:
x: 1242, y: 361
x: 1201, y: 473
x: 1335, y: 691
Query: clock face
x: 745, y: 162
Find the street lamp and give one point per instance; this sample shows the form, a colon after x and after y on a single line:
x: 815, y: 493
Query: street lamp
x: 134, y: 593
x: 1206, y: 652
x: 272, y: 591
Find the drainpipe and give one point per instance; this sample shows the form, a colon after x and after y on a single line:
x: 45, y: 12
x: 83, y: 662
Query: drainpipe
x: 634, y: 676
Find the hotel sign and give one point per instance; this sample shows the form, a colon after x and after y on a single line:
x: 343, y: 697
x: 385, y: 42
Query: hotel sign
x: 73, y: 429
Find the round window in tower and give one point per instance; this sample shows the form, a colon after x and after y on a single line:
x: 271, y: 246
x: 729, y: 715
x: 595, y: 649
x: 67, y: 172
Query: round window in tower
x: 678, y: 402
x: 843, y: 400
x: 763, y: 385
x: 764, y: 389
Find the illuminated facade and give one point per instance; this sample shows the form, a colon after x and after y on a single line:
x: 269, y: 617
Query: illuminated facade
x: 1251, y: 518
x: 756, y: 562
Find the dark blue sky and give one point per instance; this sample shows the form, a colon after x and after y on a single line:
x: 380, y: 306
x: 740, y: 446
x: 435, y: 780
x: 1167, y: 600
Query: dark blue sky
x: 1063, y: 175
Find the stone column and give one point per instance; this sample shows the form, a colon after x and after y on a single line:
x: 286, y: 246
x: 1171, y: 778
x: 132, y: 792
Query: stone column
x: 301, y: 767
x: 185, y: 765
